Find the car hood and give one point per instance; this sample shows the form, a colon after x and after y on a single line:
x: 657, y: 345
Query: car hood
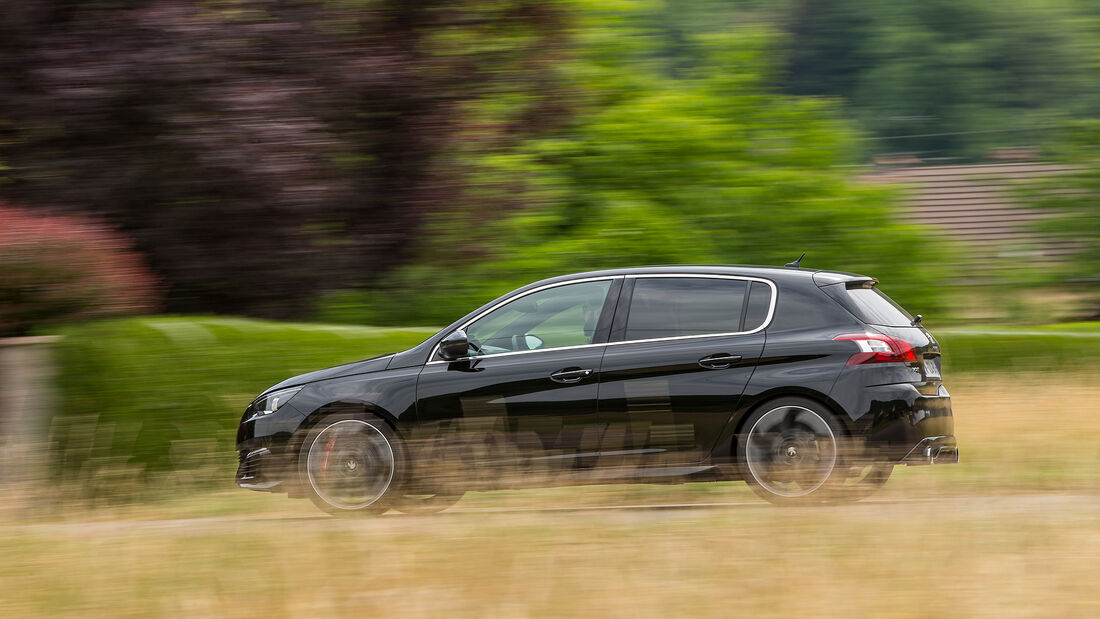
x: 374, y: 364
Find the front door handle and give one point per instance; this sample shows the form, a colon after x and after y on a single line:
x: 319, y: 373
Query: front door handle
x: 719, y: 361
x: 570, y: 375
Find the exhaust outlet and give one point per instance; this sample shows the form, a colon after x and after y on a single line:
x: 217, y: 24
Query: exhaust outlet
x: 933, y: 450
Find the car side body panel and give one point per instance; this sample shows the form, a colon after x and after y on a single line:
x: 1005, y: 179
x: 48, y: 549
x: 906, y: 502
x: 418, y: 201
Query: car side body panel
x: 514, y: 395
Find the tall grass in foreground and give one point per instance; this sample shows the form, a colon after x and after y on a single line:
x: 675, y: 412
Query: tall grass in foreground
x: 1027, y: 434
x: 1034, y: 553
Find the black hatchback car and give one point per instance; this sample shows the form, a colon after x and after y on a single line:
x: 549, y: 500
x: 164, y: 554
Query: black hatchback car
x: 809, y: 385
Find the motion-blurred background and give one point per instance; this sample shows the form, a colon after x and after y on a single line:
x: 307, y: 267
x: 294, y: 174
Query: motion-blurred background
x: 202, y: 198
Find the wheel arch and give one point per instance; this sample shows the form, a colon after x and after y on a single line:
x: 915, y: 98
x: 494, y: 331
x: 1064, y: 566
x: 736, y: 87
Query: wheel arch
x: 725, y: 451
x: 351, y: 407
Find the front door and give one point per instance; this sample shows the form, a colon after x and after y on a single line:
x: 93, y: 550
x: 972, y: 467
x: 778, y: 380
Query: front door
x: 530, y: 383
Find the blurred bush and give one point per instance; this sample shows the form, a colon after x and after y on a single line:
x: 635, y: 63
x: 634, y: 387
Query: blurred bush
x: 159, y: 399
x: 1066, y: 347
x: 144, y: 397
x: 59, y: 268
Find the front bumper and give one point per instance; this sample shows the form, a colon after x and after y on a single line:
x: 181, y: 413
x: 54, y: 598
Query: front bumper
x: 261, y: 469
x: 265, y: 457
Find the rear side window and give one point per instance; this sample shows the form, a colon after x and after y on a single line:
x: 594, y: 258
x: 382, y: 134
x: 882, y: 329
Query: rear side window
x: 675, y: 306
x: 872, y: 306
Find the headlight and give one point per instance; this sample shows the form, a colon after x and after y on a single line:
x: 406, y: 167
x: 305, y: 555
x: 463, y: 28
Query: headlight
x: 271, y: 402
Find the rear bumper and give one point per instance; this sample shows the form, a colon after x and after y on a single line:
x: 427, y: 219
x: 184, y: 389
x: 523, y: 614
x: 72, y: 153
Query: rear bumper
x: 897, y: 420
x: 933, y: 450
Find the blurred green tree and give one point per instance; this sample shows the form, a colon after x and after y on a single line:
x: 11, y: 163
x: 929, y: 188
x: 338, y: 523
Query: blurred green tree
x: 711, y: 166
x: 1074, y: 201
x: 961, y: 75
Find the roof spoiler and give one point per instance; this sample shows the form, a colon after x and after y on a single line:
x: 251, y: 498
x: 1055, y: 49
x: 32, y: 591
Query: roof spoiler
x: 827, y: 278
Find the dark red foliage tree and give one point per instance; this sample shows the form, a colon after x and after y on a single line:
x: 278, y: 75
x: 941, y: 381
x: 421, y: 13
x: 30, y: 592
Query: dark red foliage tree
x: 261, y: 152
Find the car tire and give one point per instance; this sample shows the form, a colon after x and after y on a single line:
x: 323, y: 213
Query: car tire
x: 352, y: 464
x: 789, y: 451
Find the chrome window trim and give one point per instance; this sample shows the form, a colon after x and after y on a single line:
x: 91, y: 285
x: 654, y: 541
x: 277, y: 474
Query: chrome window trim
x: 764, y: 325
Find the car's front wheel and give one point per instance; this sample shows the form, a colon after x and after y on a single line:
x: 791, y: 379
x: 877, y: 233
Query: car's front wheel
x: 789, y: 451
x: 351, y: 464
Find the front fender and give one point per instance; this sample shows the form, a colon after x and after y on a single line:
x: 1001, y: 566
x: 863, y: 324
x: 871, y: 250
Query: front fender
x: 390, y: 394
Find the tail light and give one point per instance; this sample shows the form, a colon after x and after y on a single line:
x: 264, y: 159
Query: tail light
x: 878, y: 348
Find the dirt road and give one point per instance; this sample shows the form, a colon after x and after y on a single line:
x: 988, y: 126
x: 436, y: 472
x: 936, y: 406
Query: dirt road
x: 608, y: 513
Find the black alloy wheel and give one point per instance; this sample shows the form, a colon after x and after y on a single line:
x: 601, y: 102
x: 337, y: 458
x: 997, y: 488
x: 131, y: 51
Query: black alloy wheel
x: 790, y: 452
x: 351, y: 464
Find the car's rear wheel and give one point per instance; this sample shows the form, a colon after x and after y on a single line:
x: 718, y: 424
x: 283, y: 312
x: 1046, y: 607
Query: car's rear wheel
x: 351, y: 464
x: 789, y: 451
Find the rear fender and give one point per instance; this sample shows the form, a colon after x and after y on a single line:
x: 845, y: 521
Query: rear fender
x: 724, y: 453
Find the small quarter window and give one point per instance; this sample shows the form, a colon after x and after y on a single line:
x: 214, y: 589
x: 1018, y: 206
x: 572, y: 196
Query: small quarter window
x: 679, y: 306
x: 760, y: 301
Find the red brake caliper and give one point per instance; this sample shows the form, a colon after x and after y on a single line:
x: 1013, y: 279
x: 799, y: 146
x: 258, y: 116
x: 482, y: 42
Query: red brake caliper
x: 329, y: 446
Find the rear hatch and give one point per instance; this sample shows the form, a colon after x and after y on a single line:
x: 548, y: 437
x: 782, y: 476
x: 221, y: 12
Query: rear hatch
x: 879, y: 312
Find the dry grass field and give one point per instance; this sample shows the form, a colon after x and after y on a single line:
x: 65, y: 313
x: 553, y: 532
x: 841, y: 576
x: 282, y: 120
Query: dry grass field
x: 1014, y: 530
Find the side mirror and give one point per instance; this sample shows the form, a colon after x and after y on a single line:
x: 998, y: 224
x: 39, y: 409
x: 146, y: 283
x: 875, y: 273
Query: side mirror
x: 454, y: 346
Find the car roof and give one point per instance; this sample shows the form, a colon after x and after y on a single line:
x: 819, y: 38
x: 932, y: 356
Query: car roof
x: 767, y: 272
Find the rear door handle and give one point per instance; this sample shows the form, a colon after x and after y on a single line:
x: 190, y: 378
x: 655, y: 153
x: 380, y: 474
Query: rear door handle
x: 570, y: 375
x: 719, y: 361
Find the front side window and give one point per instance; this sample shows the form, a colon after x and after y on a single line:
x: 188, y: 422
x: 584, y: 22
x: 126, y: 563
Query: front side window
x: 561, y: 316
x: 678, y: 306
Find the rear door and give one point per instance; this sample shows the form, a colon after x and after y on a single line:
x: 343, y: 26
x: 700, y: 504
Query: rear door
x: 681, y: 350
